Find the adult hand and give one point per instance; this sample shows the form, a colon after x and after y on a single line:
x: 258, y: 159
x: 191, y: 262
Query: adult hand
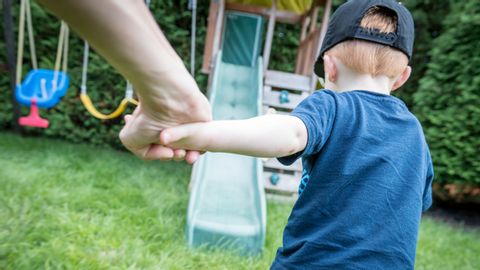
x: 177, y: 101
x: 141, y: 136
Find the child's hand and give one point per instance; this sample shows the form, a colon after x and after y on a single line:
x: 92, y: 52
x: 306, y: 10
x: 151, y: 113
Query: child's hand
x: 188, y: 136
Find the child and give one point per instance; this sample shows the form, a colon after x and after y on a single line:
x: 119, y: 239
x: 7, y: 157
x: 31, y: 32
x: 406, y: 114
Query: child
x: 367, y: 167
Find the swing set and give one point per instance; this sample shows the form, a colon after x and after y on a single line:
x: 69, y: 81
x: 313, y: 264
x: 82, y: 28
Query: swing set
x: 44, y: 88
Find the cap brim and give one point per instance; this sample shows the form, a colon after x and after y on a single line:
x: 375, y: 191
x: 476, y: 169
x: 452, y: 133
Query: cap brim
x: 318, y: 67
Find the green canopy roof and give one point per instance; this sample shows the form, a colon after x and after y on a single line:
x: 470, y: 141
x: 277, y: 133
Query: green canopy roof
x: 297, y: 6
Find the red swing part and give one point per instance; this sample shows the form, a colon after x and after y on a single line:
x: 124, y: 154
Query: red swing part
x: 33, y: 119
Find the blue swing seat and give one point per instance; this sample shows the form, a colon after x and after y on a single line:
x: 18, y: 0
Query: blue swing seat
x: 31, y: 88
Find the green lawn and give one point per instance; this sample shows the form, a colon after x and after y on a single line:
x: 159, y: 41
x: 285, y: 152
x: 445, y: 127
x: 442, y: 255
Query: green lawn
x: 82, y: 207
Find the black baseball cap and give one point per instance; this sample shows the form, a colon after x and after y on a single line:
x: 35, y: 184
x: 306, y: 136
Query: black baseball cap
x: 345, y: 25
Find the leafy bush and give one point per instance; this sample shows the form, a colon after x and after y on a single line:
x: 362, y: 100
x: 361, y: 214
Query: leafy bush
x: 428, y: 16
x: 447, y: 102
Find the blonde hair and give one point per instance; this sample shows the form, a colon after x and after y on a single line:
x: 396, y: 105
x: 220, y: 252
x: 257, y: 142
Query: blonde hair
x: 372, y: 58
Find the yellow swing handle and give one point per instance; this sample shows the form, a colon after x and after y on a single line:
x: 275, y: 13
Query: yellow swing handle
x: 87, y: 102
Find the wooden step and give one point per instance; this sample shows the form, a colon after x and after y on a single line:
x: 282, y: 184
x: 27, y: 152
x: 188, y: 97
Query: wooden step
x: 273, y: 99
x: 274, y: 164
x: 286, y: 80
x: 287, y: 184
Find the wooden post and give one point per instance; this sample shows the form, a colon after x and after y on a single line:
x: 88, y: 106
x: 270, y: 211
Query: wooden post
x: 218, y: 30
x: 314, y: 16
x: 305, y: 22
x: 323, y: 31
x: 11, y: 65
x: 268, y: 41
x: 326, y: 17
x: 208, y: 49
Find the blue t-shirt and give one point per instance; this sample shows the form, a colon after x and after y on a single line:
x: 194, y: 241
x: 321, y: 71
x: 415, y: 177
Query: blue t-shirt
x: 367, y: 178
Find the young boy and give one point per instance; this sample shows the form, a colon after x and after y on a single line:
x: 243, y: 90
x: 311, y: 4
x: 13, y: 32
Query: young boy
x: 367, y: 167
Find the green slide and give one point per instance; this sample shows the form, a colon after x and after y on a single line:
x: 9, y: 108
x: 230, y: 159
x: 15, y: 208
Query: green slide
x: 227, y: 202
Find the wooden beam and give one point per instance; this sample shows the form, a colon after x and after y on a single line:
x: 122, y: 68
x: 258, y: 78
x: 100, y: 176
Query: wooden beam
x: 280, y: 16
x: 214, y: 32
x: 314, y: 17
x: 208, y: 48
x: 326, y: 17
x: 305, y: 23
x: 274, y: 164
x: 268, y: 40
x: 218, y: 30
x: 323, y: 31
x: 285, y: 80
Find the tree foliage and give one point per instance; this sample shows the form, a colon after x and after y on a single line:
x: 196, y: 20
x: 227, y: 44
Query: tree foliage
x: 447, y: 102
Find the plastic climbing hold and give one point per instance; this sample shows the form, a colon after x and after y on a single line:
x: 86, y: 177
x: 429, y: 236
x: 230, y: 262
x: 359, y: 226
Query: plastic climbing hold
x: 274, y: 179
x: 284, y: 97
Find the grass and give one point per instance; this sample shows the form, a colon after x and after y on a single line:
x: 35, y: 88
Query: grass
x: 80, y: 207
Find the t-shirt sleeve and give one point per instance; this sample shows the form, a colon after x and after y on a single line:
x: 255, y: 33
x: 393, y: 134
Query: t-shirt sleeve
x: 427, y: 193
x: 317, y: 112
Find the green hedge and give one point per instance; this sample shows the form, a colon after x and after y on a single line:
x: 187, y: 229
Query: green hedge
x: 428, y: 16
x: 448, y: 100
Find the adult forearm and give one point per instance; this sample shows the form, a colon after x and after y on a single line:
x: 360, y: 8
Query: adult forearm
x: 126, y: 34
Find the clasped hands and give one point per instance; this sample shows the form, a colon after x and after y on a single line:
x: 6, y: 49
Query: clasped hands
x: 173, y: 101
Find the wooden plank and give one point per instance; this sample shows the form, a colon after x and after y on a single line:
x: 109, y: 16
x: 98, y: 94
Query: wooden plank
x: 273, y: 99
x: 267, y: 89
x: 308, y: 59
x: 323, y: 29
x: 327, y: 9
x: 208, y: 48
x: 314, y: 52
x: 303, y: 34
x: 305, y: 23
x: 310, y: 38
x: 273, y: 163
x: 286, y: 183
x: 269, y: 38
x: 287, y: 80
x: 307, y: 49
x: 280, y: 16
x: 218, y: 30
x: 313, y: 22
x: 298, y: 62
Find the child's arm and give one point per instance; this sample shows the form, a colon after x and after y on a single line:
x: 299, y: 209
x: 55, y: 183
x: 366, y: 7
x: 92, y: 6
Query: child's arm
x: 263, y: 136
